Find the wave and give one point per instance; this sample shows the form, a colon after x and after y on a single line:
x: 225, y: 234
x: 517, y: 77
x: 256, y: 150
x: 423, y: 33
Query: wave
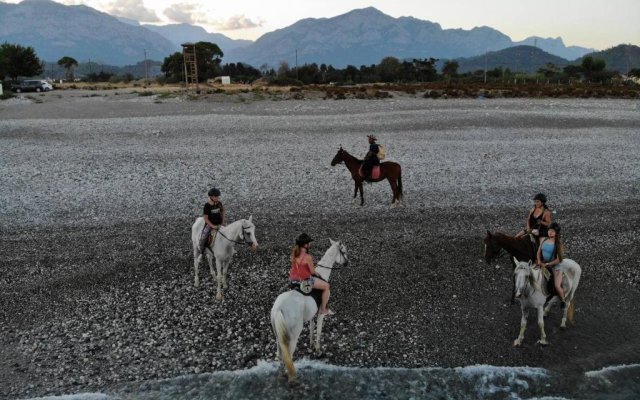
x: 320, y: 380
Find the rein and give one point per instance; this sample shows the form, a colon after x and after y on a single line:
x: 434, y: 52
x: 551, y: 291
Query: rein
x: 244, y: 240
x: 332, y: 267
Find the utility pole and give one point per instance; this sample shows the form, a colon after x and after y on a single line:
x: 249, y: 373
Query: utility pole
x: 485, y: 67
x: 296, y: 64
x: 146, y: 75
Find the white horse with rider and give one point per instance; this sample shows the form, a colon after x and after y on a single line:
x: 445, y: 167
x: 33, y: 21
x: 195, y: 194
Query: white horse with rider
x: 292, y: 309
x: 530, y: 290
x: 238, y: 232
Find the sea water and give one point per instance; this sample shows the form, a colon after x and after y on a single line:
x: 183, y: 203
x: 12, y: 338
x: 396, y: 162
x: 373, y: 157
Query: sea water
x: 317, y: 380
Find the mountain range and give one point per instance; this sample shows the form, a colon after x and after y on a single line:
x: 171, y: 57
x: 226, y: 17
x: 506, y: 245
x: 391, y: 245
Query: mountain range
x: 359, y: 37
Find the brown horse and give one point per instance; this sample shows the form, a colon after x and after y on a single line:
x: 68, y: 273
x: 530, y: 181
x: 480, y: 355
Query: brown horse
x: 519, y: 247
x: 388, y: 170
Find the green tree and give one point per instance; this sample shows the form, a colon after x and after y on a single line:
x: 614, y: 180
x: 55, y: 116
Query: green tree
x: 450, y: 69
x: 549, y: 70
x: 389, y: 69
x: 208, y: 58
x: 68, y: 63
x: 173, y: 67
x: 593, y: 67
x: 16, y: 60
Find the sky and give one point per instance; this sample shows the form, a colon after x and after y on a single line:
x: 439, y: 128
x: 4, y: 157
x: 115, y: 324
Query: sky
x: 598, y: 24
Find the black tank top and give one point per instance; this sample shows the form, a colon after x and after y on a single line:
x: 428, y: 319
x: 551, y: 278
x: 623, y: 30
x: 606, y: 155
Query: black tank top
x: 536, y: 223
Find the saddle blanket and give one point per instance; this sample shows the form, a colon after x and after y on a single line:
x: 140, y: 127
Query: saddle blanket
x: 375, y: 172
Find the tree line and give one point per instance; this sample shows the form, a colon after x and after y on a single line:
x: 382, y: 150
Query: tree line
x: 17, y: 61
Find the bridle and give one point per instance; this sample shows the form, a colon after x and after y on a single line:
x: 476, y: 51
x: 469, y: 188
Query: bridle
x: 244, y: 237
x: 344, y: 257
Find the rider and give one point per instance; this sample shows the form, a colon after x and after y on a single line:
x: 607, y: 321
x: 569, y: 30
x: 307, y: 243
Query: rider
x: 371, y: 159
x: 213, y: 215
x: 550, y: 255
x: 302, y: 269
x: 539, y: 218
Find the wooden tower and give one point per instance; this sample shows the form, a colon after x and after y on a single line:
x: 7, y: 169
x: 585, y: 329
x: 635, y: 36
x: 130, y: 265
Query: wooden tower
x: 190, y: 66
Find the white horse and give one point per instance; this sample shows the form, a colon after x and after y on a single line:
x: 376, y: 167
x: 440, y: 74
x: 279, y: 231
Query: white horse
x: 530, y: 288
x: 242, y: 231
x: 292, y: 309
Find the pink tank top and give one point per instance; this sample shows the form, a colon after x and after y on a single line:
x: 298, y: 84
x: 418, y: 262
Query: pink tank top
x: 300, y: 270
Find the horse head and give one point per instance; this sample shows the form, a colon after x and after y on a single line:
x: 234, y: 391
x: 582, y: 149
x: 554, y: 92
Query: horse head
x: 492, y: 248
x: 523, y: 277
x: 341, y: 255
x: 249, y: 232
x: 338, y: 158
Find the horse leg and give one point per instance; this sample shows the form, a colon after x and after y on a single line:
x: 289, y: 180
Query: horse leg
x: 394, y: 190
x: 197, y: 256
x: 210, y: 260
x: 319, y: 334
x: 225, y: 267
x: 523, y: 326
x: 549, y: 304
x: 219, y: 280
x: 312, y: 327
x: 543, y: 336
x: 355, y: 192
x: 361, y: 194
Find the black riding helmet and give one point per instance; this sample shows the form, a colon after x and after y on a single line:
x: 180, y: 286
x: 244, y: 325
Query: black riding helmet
x: 214, y: 192
x: 555, y: 226
x: 541, y: 197
x: 303, y: 239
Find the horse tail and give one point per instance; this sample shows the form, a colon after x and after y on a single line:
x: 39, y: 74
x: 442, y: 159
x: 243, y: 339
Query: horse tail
x: 283, y: 342
x: 570, y: 311
x: 400, y: 185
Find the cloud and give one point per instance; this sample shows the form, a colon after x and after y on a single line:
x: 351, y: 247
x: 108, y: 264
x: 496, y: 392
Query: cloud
x: 133, y: 9
x: 237, y: 22
x: 184, y: 13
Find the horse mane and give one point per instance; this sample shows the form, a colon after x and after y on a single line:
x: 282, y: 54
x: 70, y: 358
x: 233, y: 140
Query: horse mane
x: 351, y: 156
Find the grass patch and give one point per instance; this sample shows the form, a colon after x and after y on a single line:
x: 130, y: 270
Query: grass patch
x: 145, y: 93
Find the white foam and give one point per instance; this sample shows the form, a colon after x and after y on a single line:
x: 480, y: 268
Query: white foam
x: 78, y: 396
x: 613, y: 368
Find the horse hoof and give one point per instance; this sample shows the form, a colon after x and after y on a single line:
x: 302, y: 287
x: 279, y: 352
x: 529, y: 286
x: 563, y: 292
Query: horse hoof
x: 563, y: 327
x: 543, y: 342
x: 517, y: 343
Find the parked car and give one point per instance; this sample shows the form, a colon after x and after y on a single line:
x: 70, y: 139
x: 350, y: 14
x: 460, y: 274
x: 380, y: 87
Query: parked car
x: 33, y: 85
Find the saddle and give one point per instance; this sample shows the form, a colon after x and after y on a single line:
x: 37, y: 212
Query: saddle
x: 316, y: 294
x: 375, y: 172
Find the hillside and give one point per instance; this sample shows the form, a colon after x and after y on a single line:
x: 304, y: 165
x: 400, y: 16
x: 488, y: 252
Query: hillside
x: 55, y: 30
x: 518, y: 58
x: 182, y: 33
x: 621, y: 58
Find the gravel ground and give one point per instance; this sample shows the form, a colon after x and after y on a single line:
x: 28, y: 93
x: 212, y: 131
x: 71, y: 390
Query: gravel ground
x: 99, y: 194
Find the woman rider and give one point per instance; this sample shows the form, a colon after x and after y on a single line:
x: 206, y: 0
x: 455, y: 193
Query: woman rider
x: 303, y: 269
x: 550, y: 255
x: 371, y: 158
x: 213, y: 214
x: 539, y: 218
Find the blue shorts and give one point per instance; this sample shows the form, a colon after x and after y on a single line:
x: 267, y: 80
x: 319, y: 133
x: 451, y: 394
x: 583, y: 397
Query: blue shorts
x: 311, y: 280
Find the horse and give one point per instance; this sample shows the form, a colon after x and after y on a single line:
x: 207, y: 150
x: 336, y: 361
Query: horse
x: 292, y: 309
x: 242, y: 231
x: 530, y: 284
x: 389, y: 170
x: 520, y: 249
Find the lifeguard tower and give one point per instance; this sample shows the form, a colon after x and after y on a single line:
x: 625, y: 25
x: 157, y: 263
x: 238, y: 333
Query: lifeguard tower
x: 190, y: 66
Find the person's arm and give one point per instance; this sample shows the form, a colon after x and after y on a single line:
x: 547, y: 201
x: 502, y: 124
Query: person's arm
x: 529, y: 220
x: 546, y: 218
x: 312, y: 267
x: 553, y: 262
x: 538, y: 255
x: 208, y: 222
